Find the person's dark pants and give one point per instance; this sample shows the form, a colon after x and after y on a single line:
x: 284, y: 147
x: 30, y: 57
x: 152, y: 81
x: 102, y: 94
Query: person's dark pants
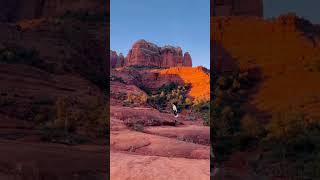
x: 175, y: 113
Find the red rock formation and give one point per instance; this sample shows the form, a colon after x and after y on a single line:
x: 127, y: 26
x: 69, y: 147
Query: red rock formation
x: 198, y: 77
x: 116, y: 60
x: 171, y: 56
x: 121, y: 60
x: 113, y: 59
x: 281, y: 51
x: 14, y: 10
x: 144, y: 53
x: 238, y: 8
x: 187, y: 59
x: 148, y: 54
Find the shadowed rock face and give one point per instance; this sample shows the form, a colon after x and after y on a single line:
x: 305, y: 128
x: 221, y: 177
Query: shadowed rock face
x: 283, y: 52
x: 187, y: 59
x: 238, y: 8
x: 14, y: 10
x: 148, y: 54
x: 116, y: 60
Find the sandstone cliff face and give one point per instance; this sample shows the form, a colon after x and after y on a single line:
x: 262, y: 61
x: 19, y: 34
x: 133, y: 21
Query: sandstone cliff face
x: 144, y: 53
x: 284, y: 51
x: 116, y: 60
x: 14, y: 10
x: 187, y: 59
x: 148, y: 54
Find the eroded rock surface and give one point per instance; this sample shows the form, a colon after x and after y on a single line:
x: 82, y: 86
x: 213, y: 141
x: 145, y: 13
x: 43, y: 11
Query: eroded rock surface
x: 145, y: 53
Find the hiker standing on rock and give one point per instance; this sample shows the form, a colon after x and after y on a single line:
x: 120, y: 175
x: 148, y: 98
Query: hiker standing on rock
x: 175, y: 110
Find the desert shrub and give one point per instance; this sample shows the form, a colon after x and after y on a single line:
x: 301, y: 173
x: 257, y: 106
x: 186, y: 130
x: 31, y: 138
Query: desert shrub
x: 229, y: 132
x: 251, y: 126
x: 6, y: 101
x: 57, y: 135
x: 131, y: 97
x: 18, y: 55
x: 92, y: 117
x: 144, y: 99
x: 168, y: 94
x: 118, y: 95
x: 291, y: 139
x: 138, y: 127
x: 285, y: 125
x: 188, y: 102
x: 44, y: 100
x: 43, y: 115
x: 143, y: 67
x: 103, y: 121
x: 97, y: 78
x: 168, y: 88
x: 144, y: 88
x: 116, y: 78
x: 84, y: 16
x: 157, y: 101
x: 66, y: 119
x: 96, y: 113
x: 191, y: 117
x: 314, y: 65
x: 202, y: 107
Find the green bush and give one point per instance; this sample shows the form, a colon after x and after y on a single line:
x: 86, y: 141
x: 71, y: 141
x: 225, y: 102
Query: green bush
x: 168, y: 94
x: 116, y: 78
x: 138, y: 127
x: 252, y: 127
x: 228, y: 93
x: 143, y: 67
x: 97, y: 78
x: 18, y: 55
x: 57, y: 135
x: 168, y: 88
x: 144, y: 88
x: 66, y: 119
x: 84, y: 16
x: 6, y: 101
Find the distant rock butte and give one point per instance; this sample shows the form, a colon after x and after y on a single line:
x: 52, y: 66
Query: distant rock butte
x: 148, y: 54
x: 116, y: 60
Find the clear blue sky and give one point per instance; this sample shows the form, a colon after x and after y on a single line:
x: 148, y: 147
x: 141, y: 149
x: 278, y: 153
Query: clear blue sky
x: 308, y: 9
x: 184, y: 23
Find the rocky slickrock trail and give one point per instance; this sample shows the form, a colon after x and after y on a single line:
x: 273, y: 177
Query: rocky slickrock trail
x: 160, y: 149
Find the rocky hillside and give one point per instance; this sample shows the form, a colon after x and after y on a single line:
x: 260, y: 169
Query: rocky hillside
x: 63, y: 50
x: 15, y: 10
x: 152, y: 80
x: 197, y: 77
x: 52, y: 75
x: 144, y: 53
x: 284, y: 53
x: 237, y: 8
x: 266, y: 101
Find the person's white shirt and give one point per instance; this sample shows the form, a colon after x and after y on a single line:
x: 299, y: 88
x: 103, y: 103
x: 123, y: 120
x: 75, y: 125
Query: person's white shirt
x: 174, y: 108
